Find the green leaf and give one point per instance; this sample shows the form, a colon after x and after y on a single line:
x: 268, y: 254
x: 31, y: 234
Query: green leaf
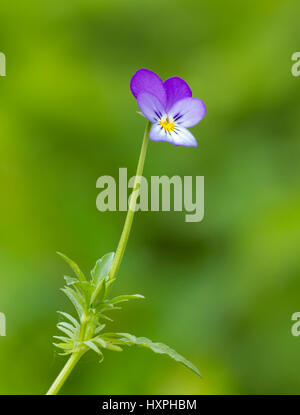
x: 67, y: 326
x: 100, y: 341
x: 74, y: 267
x: 65, y: 346
x: 66, y: 353
x: 100, y: 277
x: 104, y: 317
x: 99, y: 292
x: 63, y: 339
x: 92, y: 346
x: 86, y: 289
x: 113, y: 347
x: 99, y: 328
x: 70, y: 318
x: 102, y: 268
x: 159, y: 348
x: 70, y: 280
x: 110, y: 282
x: 107, y: 307
x: 68, y: 332
x: 75, y: 299
x: 123, y: 298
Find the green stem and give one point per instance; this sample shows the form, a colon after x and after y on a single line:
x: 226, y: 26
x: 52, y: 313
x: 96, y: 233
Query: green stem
x: 132, y: 204
x: 64, y: 374
x: 69, y: 366
x: 67, y: 369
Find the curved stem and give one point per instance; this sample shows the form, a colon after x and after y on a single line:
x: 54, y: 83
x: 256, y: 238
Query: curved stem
x: 67, y: 369
x: 64, y: 374
x: 132, y: 204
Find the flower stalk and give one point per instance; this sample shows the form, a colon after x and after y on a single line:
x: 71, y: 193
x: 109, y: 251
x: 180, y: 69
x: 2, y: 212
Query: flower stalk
x: 132, y: 204
x: 85, y: 331
x: 170, y: 110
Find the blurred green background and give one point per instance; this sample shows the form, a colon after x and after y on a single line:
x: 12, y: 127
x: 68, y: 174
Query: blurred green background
x: 221, y: 291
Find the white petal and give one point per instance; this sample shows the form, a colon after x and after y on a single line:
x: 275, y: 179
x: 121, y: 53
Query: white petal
x: 158, y: 133
x: 179, y: 137
x: 183, y: 137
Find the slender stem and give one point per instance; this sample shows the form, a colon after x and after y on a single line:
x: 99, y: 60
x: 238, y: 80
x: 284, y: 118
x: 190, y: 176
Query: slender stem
x: 67, y: 369
x: 64, y: 374
x: 132, y: 204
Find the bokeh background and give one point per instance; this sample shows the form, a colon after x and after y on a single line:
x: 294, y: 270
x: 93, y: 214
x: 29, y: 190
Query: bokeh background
x: 221, y: 291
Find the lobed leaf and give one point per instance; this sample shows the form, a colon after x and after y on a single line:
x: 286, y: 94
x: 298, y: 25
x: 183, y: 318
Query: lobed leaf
x: 88, y: 298
x: 159, y: 348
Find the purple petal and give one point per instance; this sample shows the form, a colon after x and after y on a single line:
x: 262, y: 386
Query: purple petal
x: 150, y: 106
x: 147, y: 81
x: 179, y: 137
x: 188, y: 111
x: 176, y: 89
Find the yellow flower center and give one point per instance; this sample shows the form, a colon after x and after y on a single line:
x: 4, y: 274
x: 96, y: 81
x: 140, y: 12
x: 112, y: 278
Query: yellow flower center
x: 167, y: 125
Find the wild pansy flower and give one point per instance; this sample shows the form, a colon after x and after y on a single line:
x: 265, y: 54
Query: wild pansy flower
x: 169, y: 106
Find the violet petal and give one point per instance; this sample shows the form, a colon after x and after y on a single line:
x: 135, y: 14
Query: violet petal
x: 145, y: 80
x: 188, y: 111
x: 176, y: 89
x: 150, y: 106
